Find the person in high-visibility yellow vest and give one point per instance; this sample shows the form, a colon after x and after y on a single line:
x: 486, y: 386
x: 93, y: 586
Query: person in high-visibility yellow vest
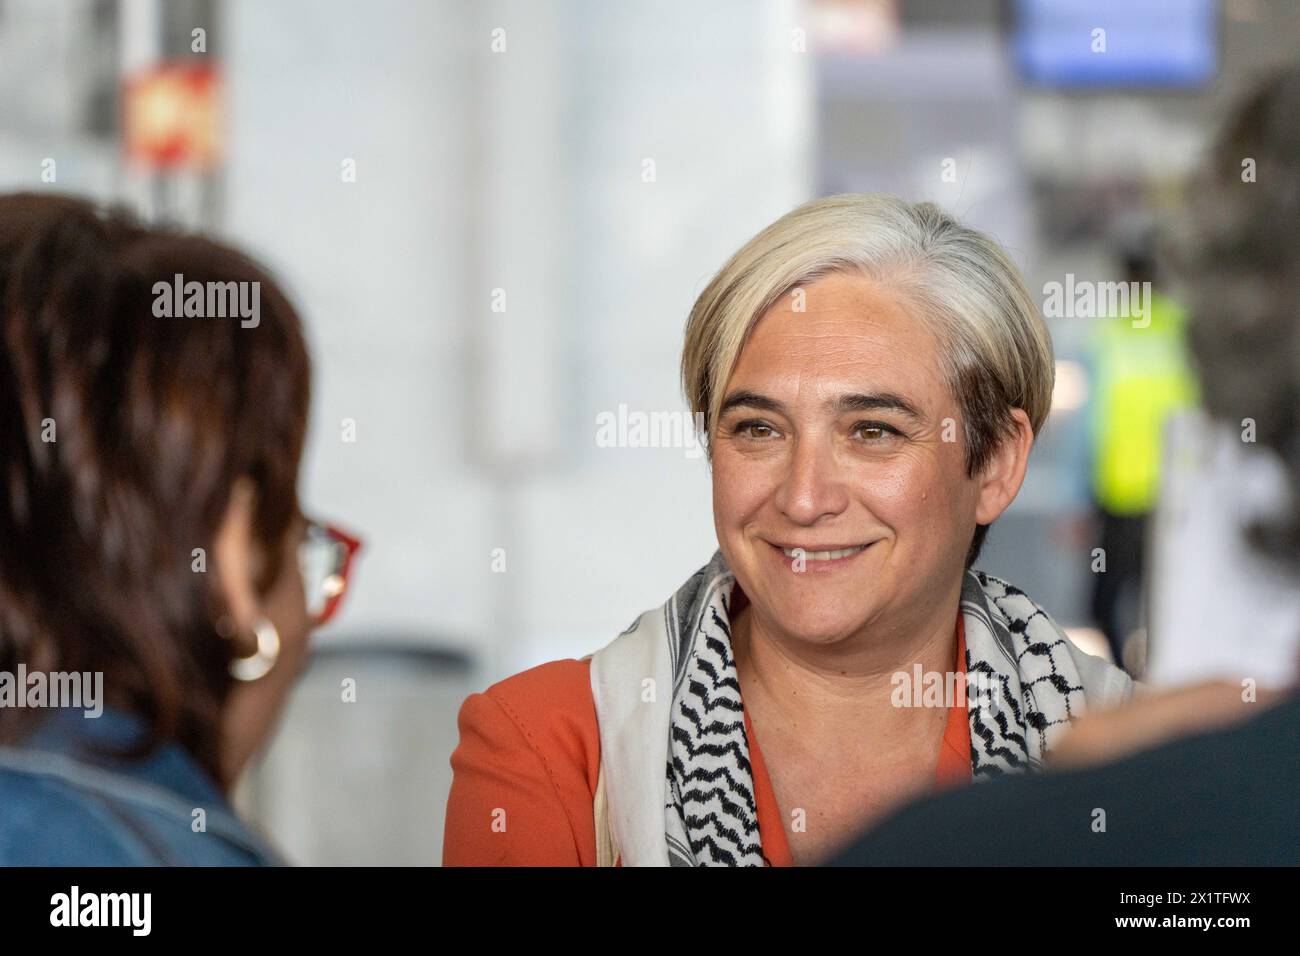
x: 1141, y: 375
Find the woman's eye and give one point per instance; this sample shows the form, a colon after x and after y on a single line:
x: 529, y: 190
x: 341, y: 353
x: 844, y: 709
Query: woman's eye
x: 755, y: 430
x: 873, y: 431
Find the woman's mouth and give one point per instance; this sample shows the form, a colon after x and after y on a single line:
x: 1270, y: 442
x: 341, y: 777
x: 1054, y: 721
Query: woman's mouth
x: 800, y: 558
x: 835, y: 554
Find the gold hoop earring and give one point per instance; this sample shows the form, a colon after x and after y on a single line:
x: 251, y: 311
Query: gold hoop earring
x: 256, y: 665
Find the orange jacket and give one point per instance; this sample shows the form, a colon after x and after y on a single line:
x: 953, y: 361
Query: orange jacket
x: 525, y: 770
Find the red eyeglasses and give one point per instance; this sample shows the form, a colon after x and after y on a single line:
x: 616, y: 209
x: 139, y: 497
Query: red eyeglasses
x: 325, y: 558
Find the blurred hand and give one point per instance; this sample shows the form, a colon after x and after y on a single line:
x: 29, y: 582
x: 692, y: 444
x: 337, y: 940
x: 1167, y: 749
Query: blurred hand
x: 1153, y: 718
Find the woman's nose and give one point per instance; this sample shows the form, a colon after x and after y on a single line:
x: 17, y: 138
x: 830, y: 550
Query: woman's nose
x: 812, y: 486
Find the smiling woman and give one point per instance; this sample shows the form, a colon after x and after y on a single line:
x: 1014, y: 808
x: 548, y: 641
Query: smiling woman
x: 947, y: 287
x: 871, y: 375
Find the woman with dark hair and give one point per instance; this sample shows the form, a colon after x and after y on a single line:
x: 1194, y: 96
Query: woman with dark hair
x: 158, y: 581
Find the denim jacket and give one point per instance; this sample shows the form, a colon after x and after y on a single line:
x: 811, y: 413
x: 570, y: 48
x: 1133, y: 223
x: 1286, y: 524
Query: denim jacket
x: 63, y: 803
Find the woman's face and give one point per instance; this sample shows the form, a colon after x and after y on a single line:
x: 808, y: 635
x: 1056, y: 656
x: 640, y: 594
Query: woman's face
x: 838, y: 434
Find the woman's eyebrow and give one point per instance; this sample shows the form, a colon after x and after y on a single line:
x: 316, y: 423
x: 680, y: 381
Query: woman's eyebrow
x: 750, y: 399
x: 876, y: 401
x: 854, y: 402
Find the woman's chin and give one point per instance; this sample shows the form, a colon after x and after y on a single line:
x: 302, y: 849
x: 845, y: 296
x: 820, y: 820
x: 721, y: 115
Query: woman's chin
x: 820, y: 624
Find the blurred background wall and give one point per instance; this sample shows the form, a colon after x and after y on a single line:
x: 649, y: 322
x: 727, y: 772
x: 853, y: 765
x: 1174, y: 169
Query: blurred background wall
x: 495, y: 217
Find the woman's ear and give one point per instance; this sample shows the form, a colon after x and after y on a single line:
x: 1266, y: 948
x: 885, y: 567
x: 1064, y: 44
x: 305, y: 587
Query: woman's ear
x: 1000, y: 481
x: 237, y: 558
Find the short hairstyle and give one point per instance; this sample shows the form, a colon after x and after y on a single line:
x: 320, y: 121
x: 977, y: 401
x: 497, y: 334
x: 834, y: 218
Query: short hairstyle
x: 154, y: 421
x: 997, y: 351
x: 1236, y: 252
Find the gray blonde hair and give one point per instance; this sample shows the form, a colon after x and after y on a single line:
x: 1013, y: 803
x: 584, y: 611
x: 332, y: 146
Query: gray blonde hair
x: 997, y: 350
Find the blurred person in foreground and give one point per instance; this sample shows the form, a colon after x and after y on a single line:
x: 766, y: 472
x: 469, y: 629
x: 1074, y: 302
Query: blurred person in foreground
x: 158, y: 581
x: 869, y: 376
x: 1207, y: 774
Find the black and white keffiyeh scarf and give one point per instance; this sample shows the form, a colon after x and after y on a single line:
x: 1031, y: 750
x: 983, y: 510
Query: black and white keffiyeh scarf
x: 709, y: 814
